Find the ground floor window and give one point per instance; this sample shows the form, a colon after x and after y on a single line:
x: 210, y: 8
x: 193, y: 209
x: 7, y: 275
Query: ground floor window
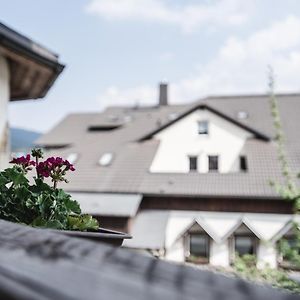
x: 198, y: 247
x: 244, y: 245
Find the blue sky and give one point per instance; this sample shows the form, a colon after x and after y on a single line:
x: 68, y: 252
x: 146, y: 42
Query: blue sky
x: 116, y: 51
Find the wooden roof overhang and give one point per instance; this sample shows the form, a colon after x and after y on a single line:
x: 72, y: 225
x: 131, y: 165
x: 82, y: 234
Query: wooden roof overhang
x: 33, y: 68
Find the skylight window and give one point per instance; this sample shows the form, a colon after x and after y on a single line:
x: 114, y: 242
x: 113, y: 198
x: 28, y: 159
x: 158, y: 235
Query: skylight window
x: 103, y: 128
x: 203, y: 127
x: 106, y: 159
x: 72, y: 158
x: 242, y: 115
x: 127, y: 118
x: 172, y: 116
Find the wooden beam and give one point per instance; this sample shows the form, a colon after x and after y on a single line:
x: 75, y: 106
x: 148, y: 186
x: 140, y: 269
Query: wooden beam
x: 29, y: 80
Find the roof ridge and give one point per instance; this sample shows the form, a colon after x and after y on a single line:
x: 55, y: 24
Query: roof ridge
x: 258, y: 95
x: 221, y: 114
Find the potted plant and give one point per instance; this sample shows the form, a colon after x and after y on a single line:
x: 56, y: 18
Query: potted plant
x: 39, y: 204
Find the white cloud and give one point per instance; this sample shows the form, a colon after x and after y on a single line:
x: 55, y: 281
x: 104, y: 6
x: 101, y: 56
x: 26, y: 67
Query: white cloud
x: 239, y: 67
x: 187, y: 16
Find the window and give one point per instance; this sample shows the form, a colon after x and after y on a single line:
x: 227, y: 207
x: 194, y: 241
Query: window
x: 104, y: 128
x: 213, y: 163
x: 244, y: 245
x: 172, y: 116
x: 242, y: 115
x: 193, y: 163
x: 243, y: 163
x: 203, y: 127
x: 72, y: 158
x: 199, y: 245
x: 105, y: 159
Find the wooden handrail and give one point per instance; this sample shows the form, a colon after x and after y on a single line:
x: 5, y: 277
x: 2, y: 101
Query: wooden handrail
x: 38, y: 264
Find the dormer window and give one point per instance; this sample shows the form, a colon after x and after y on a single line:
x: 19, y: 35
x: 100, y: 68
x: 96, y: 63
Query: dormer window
x: 72, y: 158
x: 199, y: 247
x: 203, y: 127
x: 172, y: 116
x: 106, y: 159
x: 245, y: 244
x: 242, y: 115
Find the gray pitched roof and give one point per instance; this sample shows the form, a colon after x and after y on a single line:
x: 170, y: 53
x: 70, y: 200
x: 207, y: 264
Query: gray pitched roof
x: 101, y: 204
x: 129, y: 171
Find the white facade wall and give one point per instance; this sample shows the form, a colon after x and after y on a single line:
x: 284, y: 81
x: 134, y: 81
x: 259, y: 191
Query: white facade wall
x: 4, y: 99
x: 219, y: 254
x: 176, y: 253
x: 181, y: 140
x: 266, y: 255
x: 222, y: 250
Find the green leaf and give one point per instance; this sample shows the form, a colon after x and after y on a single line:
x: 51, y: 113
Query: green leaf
x: 83, y: 223
x: 39, y: 204
x: 16, y: 176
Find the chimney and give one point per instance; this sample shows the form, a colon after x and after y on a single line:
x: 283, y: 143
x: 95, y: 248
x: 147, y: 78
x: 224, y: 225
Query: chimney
x: 163, y: 94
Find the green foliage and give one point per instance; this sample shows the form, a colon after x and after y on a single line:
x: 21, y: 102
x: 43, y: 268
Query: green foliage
x: 245, y: 267
x: 289, y: 190
x: 82, y: 223
x: 290, y: 251
x: 39, y: 204
x: 245, y: 263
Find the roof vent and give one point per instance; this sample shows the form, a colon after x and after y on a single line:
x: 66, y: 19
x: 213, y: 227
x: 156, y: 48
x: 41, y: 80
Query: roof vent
x: 242, y: 115
x: 106, y: 159
x: 72, y: 158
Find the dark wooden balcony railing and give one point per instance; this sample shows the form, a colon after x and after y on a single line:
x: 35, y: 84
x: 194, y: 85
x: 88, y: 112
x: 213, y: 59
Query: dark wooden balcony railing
x: 37, y: 264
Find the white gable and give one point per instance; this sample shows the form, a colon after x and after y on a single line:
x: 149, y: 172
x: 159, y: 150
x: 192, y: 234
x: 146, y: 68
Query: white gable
x: 224, y: 139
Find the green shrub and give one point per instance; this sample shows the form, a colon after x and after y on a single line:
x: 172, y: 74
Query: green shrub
x: 39, y: 204
x: 245, y: 267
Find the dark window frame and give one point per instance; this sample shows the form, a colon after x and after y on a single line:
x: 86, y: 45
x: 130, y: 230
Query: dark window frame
x: 253, y: 239
x: 212, y: 168
x: 193, y: 163
x: 243, y: 163
x: 199, y: 258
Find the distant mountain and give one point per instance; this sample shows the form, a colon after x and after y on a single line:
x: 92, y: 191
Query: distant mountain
x: 22, y: 139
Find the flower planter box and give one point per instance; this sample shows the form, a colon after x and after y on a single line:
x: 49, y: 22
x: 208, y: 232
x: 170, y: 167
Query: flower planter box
x: 107, y: 236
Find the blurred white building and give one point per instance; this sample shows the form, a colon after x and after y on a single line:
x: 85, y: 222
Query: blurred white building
x: 189, y: 182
